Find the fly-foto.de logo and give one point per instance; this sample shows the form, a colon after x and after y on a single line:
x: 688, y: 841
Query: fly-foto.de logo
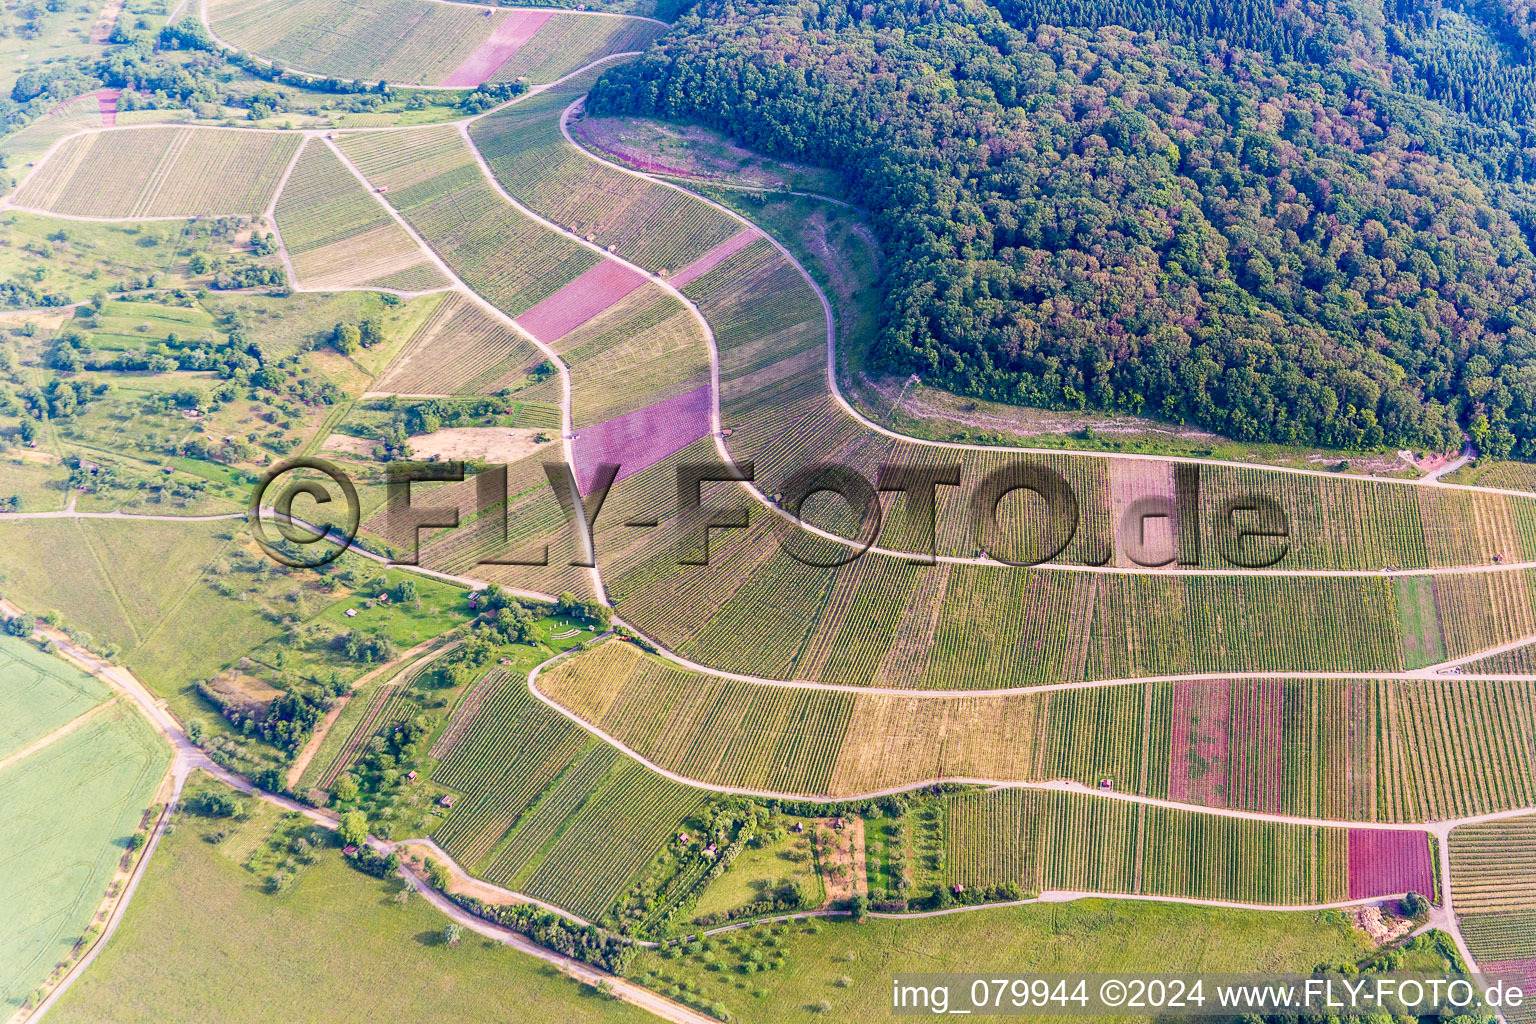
x: 313, y: 507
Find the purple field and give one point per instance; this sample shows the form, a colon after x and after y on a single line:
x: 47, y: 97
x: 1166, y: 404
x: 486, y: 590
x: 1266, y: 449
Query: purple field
x: 579, y: 301
x: 640, y: 439
x: 1387, y: 861
x: 716, y: 256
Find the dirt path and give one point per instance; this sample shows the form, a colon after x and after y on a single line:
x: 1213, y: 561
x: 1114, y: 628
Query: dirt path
x: 312, y: 747
x: 57, y: 734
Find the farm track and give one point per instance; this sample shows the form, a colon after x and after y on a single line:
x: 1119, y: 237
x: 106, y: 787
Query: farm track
x: 57, y: 734
x: 188, y: 756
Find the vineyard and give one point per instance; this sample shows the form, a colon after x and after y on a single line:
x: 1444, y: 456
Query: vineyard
x: 338, y: 236
x: 962, y: 626
x: 710, y: 729
x: 1400, y: 750
x: 659, y: 228
x: 569, y: 41
x: 548, y: 809
x: 579, y: 301
x: 1501, y: 937
x: 1386, y: 862
x: 460, y: 350
x: 1493, y: 866
x: 1059, y: 841
x: 616, y: 832
x: 162, y: 172
x: 638, y: 440
x: 431, y: 177
x: 416, y: 42
x: 644, y: 349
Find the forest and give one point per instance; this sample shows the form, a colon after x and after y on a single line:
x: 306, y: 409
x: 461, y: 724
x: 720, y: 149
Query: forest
x: 1306, y: 223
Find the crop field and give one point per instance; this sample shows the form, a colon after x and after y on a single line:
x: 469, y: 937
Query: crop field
x: 339, y: 236
x: 419, y: 43
x: 157, y: 563
x: 313, y: 952
x: 431, y: 177
x: 161, y: 172
x: 38, y: 694
x: 660, y: 228
x: 1493, y: 866
x: 69, y: 810
x: 1058, y: 841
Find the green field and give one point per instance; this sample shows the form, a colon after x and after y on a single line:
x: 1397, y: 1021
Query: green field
x: 69, y: 809
x: 1090, y: 935
x: 38, y: 694
x: 314, y: 952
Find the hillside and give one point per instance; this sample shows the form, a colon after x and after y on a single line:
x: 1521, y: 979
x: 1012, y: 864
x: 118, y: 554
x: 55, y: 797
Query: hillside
x: 1282, y: 242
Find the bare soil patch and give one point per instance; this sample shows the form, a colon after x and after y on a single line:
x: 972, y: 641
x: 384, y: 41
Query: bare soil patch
x: 495, y: 444
x: 840, y: 853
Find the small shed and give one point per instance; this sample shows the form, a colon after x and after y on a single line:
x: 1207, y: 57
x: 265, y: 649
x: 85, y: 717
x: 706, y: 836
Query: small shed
x: 447, y: 800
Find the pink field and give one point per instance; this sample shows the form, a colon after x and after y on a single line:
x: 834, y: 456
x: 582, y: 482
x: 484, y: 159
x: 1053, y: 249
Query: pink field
x: 1524, y: 968
x: 106, y: 102
x: 580, y: 301
x: 716, y: 256
x: 1387, y: 861
x: 1197, y: 760
x: 640, y: 439
x: 1256, y: 764
x: 515, y: 30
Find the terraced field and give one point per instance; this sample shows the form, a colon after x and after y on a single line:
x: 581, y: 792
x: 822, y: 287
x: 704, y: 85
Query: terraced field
x: 133, y: 173
x: 338, y: 236
x: 416, y: 42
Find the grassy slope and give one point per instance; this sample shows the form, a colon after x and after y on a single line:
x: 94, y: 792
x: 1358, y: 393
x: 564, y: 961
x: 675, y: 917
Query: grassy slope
x: 202, y: 942
x: 68, y: 810
x: 1092, y: 935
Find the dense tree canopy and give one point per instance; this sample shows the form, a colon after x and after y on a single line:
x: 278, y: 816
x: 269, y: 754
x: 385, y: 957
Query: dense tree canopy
x: 1272, y: 234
